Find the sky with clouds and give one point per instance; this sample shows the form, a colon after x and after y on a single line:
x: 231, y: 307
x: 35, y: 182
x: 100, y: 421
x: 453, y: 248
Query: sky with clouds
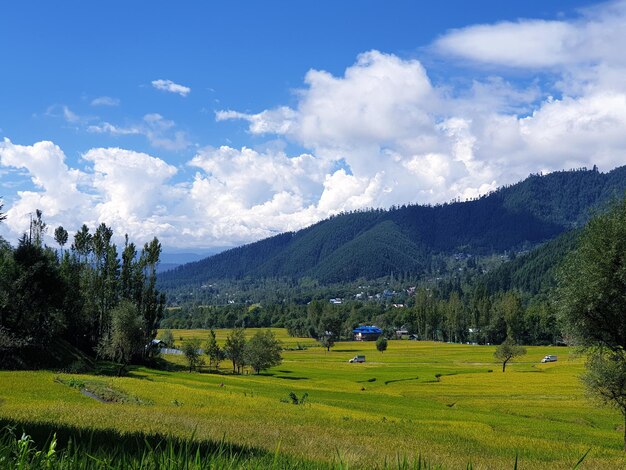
x: 212, y: 125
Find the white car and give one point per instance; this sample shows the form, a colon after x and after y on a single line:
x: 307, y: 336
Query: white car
x: 549, y: 358
x: 357, y: 359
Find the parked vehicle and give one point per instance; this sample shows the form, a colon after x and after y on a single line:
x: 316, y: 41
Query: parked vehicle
x: 357, y: 359
x: 549, y: 358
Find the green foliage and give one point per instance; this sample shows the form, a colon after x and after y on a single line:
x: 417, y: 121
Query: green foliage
x: 46, y: 297
x: 326, y: 341
x: 60, y: 236
x: 124, y: 339
x: 213, y: 351
x: 234, y: 348
x: 381, y: 344
x: 592, y: 301
x: 295, y: 400
x: 592, y: 283
x: 507, y: 351
x: 191, y: 351
x: 605, y: 378
x: 263, y: 351
x: 167, y: 337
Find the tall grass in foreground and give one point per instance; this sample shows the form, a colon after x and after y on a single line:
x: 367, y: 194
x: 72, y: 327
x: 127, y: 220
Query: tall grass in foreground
x: 21, y: 452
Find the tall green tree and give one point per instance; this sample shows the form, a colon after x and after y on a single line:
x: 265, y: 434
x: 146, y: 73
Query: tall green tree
x: 591, y: 296
x: 234, y: 348
x: 123, y: 340
x: 37, y: 229
x: 131, y: 273
x: 213, y: 350
x: 106, y: 272
x: 191, y: 351
x: 82, y: 243
x: 60, y: 236
x: 152, y: 302
x: 35, y: 310
x: 328, y: 329
x: 263, y: 351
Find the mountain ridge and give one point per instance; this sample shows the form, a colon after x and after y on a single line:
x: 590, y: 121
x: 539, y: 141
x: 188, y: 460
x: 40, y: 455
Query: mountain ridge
x: 405, y: 239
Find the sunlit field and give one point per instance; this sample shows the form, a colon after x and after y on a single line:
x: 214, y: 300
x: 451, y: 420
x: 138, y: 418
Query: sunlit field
x: 448, y: 403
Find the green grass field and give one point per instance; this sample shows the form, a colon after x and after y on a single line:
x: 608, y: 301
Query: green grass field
x: 448, y: 403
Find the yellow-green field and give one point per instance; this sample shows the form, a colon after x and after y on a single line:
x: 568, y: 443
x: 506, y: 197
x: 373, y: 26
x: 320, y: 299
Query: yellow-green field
x: 392, y: 405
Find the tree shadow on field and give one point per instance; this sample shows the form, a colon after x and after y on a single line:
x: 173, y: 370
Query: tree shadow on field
x: 286, y: 377
x: 387, y: 382
x: 347, y: 350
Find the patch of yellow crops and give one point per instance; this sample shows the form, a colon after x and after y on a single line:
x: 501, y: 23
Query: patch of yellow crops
x: 394, y: 404
x: 203, y: 335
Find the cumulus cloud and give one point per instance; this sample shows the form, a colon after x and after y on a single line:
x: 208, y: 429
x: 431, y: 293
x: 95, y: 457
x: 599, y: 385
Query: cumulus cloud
x: 171, y: 87
x: 127, y: 190
x: 105, y: 101
x: 56, y: 187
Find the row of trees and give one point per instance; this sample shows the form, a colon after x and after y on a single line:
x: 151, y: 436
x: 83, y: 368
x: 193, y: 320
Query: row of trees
x: 260, y: 352
x: 87, y: 294
x: 468, y: 313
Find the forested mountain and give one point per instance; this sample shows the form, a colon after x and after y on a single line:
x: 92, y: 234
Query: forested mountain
x: 408, y: 239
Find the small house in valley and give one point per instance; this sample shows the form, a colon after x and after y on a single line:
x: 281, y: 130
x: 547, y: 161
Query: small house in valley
x: 367, y: 333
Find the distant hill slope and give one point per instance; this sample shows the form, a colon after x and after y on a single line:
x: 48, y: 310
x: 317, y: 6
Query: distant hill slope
x: 375, y: 243
x: 533, y: 272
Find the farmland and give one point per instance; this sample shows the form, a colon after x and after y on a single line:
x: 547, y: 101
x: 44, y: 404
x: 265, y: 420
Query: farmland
x: 449, y: 403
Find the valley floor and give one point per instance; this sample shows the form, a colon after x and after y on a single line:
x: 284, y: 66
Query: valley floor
x: 448, y: 403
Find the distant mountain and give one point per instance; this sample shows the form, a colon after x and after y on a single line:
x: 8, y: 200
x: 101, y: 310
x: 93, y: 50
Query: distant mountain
x: 405, y: 240
x: 170, y: 259
x: 533, y: 272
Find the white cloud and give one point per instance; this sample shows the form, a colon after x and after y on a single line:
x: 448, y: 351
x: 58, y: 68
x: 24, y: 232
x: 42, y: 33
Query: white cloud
x: 276, y: 121
x: 381, y: 133
x: 159, y: 131
x: 105, y: 101
x: 171, y: 87
x: 127, y: 190
x: 544, y: 43
x: 55, y: 185
x: 64, y: 112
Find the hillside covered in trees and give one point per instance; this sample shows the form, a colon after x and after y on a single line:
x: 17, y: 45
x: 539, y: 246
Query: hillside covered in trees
x: 411, y: 240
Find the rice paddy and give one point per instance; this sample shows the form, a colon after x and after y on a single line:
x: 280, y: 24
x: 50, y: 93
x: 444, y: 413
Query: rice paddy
x: 447, y: 403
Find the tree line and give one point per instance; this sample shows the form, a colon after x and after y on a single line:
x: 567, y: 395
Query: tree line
x: 466, y: 313
x: 90, y: 295
x: 260, y: 352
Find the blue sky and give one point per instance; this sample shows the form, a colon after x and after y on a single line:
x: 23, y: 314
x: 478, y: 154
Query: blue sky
x: 211, y: 124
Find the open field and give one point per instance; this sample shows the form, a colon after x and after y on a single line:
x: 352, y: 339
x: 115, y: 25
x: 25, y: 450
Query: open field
x: 392, y: 405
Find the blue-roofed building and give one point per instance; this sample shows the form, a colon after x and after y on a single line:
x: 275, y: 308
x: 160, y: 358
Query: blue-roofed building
x: 367, y: 333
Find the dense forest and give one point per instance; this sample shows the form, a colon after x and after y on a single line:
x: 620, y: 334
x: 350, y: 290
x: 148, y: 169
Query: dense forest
x: 412, y: 240
x: 55, y: 303
x: 480, y: 300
